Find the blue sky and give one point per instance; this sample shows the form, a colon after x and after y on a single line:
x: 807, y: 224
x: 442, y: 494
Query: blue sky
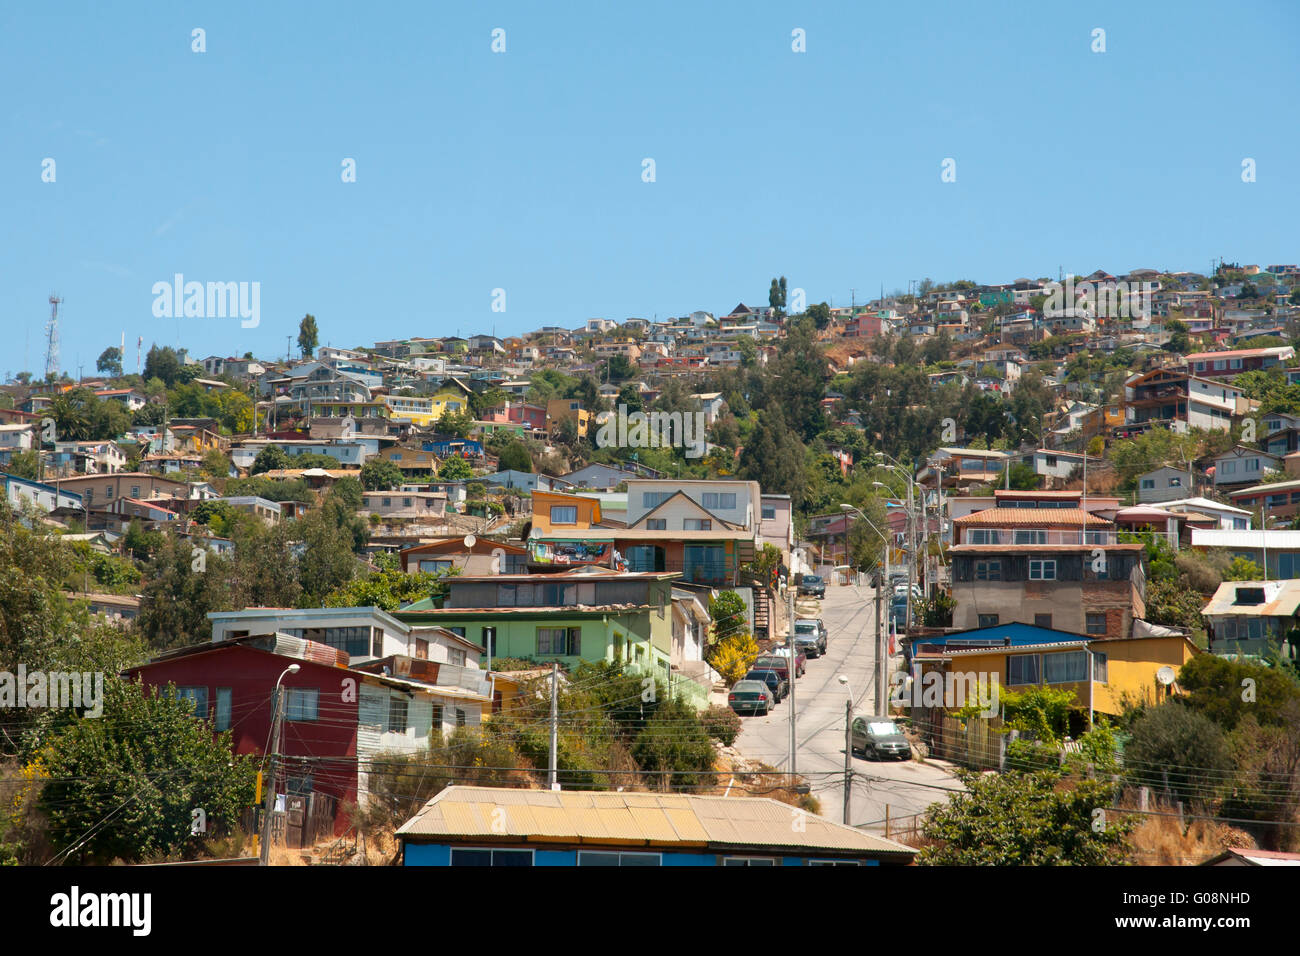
x: 523, y: 170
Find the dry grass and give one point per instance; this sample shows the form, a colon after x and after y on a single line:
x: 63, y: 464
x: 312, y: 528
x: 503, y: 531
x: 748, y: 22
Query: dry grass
x: 1167, y: 841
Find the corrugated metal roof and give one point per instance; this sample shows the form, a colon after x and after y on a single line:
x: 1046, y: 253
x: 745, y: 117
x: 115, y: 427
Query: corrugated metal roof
x: 640, y: 819
x: 1066, y: 518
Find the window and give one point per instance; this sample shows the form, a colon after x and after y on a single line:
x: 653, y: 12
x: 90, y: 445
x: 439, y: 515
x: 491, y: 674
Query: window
x: 197, y: 695
x: 1030, y: 537
x: 1050, y: 461
x: 1022, y: 669
x: 564, y: 514
x: 1096, y: 623
x: 301, y: 703
x: 466, y: 856
x: 135, y: 491
x: 1099, y: 673
x: 460, y: 717
x: 769, y: 512
x: 406, y: 502
x: 559, y: 640
x: 833, y: 863
x: 653, y: 499
x: 988, y: 620
x: 223, y: 709
x: 1228, y: 467
x: 717, y: 500
x: 656, y: 524
x: 1043, y: 620
x: 1148, y: 483
x: 387, y: 502
x: 988, y: 570
x: 436, y: 565
x: 1040, y: 570
x: 1176, y: 481
x: 1065, y: 668
x: 697, y: 524
x: 748, y: 861
x: 981, y: 536
x: 421, y: 649
x: 456, y: 656
x: 436, y: 716
x: 594, y: 858
x: 397, y: 715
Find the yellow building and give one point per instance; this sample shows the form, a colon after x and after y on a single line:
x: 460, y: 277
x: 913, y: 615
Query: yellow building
x: 1123, y: 669
x: 568, y: 409
x: 554, y: 512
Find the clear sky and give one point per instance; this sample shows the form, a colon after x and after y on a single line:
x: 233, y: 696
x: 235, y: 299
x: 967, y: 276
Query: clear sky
x: 523, y: 170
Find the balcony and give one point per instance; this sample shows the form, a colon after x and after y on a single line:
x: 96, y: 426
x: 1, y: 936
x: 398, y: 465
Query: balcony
x: 1039, y: 536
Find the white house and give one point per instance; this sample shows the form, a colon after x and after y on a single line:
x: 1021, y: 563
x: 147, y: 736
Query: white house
x: 1164, y: 484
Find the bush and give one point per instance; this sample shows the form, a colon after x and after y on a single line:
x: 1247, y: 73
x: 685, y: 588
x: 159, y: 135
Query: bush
x: 1177, y: 749
x: 721, y: 723
x: 732, y: 656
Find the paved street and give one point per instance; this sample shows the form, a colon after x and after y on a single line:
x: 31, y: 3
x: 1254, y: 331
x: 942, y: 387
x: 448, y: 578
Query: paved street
x: 906, y: 787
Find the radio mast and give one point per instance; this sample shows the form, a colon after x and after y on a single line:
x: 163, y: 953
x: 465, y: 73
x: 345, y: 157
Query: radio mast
x: 52, y: 338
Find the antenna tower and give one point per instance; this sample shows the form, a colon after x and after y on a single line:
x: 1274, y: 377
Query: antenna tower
x: 52, y: 338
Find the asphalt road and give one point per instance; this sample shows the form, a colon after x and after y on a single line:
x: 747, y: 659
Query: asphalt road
x: 906, y: 787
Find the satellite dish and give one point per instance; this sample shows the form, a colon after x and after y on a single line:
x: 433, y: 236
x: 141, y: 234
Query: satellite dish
x: 470, y: 541
x: 535, y: 534
x: 1166, y: 675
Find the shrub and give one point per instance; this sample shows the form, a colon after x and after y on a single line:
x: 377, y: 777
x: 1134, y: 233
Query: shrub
x: 721, y: 723
x: 1177, y: 749
x: 732, y: 656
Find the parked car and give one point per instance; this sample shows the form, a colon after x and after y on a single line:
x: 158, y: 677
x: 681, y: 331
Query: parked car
x: 781, y: 654
x: 778, y: 685
x: 750, y: 696
x: 898, y: 614
x: 879, y: 737
x: 773, y: 662
x: 808, y: 645
x: 900, y: 591
x: 812, y: 584
x: 814, y: 626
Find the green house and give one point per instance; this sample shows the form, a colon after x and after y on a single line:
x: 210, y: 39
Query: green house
x: 589, y: 615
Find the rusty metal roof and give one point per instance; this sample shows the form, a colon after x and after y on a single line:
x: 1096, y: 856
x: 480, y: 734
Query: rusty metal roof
x: 634, y: 819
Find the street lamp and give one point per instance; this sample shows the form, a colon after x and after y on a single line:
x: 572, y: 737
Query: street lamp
x: 880, y: 641
x: 848, y: 747
x: 277, y: 711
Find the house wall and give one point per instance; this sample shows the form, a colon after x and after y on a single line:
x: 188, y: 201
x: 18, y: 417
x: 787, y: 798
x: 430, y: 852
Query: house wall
x: 1067, y: 602
x: 432, y: 854
x: 744, y: 513
x: 251, y: 676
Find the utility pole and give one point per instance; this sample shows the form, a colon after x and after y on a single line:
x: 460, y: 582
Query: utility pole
x: 267, y: 807
x: 790, y: 671
x: 880, y: 642
x: 848, y: 757
x: 552, y: 777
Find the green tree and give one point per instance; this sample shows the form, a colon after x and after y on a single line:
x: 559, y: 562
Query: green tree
x: 110, y: 361
x: 515, y: 457
x: 729, y: 613
x: 307, y: 335
x: 125, y: 787
x: 455, y: 468
x: 163, y: 364
x: 380, y: 475
x: 1025, y: 819
x: 1176, y: 749
x: 270, y: 458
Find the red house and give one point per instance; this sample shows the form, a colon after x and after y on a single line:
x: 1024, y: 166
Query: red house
x: 233, y: 682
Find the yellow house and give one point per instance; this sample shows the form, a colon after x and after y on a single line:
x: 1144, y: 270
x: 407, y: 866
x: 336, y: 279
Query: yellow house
x: 555, y: 512
x: 426, y: 410
x: 568, y: 409
x: 1123, y: 669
